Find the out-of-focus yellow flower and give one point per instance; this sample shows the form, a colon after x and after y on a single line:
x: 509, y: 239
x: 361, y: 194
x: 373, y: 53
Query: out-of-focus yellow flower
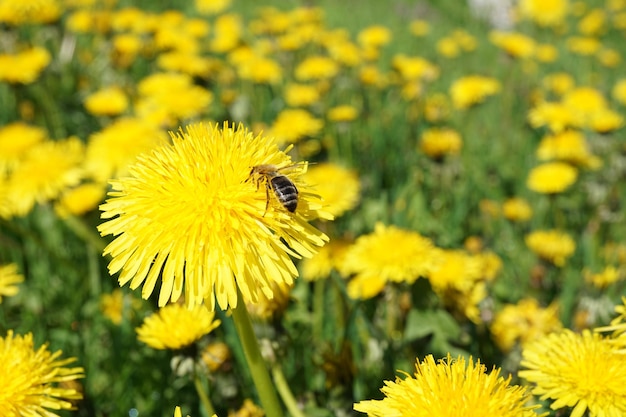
x: 556, y: 116
x: 372, y: 76
x: 270, y: 309
x: 374, y: 36
x: 316, y: 68
x: 227, y: 33
x: 551, y: 177
x: 215, y: 356
x: 189, y: 63
x: 24, y: 67
x: 593, y: 24
x: 419, y: 27
x: 515, y: 44
x: 260, y: 70
x: 116, y: 304
x: 472, y: 89
x: 126, y: 47
x: 292, y: 125
x: 9, y: 278
x: 109, y: 101
x: 464, y: 39
x: 549, y: 13
x: 16, y: 12
x: 517, y: 209
x: 619, y: 91
x: 338, y: 187
x: 329, y: 257
x: 414, y: 68
x: 558, y: 83
x: 297, y: 95
x: 604, y: 278
x: 79, y: 200
x: 15, y: 140
x: 546, y: 53
x: 583, y: 45
x: 343, y: 113
x: 584, y: 101
x: 439, y: 142
x: 552, y: 245
x: 524, y: 322
x: 569, y: 146
x: 609, y: 58
x: 605, y: 120
x: 211, y: 7
x: 450, y: 387
x: 436, y: 107
x: 448, y: 47
x: 248, y: 409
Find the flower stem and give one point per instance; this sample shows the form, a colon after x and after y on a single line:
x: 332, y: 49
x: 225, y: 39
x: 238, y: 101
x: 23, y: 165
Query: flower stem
x: 256, y: 364
x: 285, y: 393
x: 204, y: 398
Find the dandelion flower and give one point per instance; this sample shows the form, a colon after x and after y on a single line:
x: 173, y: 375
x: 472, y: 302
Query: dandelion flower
x: 211, y: 7
x: 374, y: 36
x: 9, y: 278
x: 556, y: 116
x: 215, y: 356
x: 558, y: 82
x: 373, y: 264
x: 344, y: 113
x: 450, y: 388
x: 604, y: 278
x: 619, y: 91
x: 414, y: 68
x: 193, y: 215
x: 515, y: 44
x: 517, y: 209
x: 548, y: 13
x: 439, y: 142
x: 292, y: 125
x: 322, y: 263
x: 524, y: 322
x: 301, y: 95
x: 15, y: 140
x: 24, y: 67
x: 31, y: 378
x: 316, y: 68
x: 16, y: 12
x: 338, y: 187
x: 472, y: 89
x: 581, y: 371
x: 569, y: 146
x: 110, y: 101
x: 552, y: 245
x: 80, y: 200
x: 551, y: 177
x: 175, y: 326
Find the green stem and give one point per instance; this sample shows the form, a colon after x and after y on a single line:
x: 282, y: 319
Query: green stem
x: 285, y: 393
x: 318, y: 309
x: 85, y: 232
x: 256, y: 364
x: 204, y: 398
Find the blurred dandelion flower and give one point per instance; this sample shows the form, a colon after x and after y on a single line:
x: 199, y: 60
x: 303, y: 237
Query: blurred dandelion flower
x: 569, y: 146
x: 17, y: 12
x: 80, y: 200
x: 211, y: 7
x: 517, y: 209
x: 609, y: 58
x: 548, y: 13
x: 227, y: 33
x: 216, y: 356
x: 558, y: 82
x: 374, y: 263
x: 618, y: 328
x: 439, y: 142
x: 193, y: 215
x: 552, y: 245
x: 604, y: 278
x: 9, y: 278
x: 316, y: 68
x: 109, y: 101
x: 515, y: 44
x: 414, y: 68
x: 175, y: 326
x: 343, y: 113
x: 581, y: 371
x: 337, y: 186
x: 546, y: 53
x: 30, y: 379
x: 524, y: 322
x: 605, y: 121
x: 472, y: 89
x: 619, y: 91
x: 551, y: 177
x: 583, y: 45
x: 584, y: 101
x: 556, y: 116
x: 15, y: 140
x: 260, y: 70
x: 450, y: 388
x: 419, y: 27
x: 268, y: 309
x: 436, y: 107
x: 297, y: 95
x: 374, y: 36
x: 23, y: 67
x: 322, y: 263
x: 292, y: 125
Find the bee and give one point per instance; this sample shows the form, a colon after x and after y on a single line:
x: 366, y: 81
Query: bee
x: 283, y: 188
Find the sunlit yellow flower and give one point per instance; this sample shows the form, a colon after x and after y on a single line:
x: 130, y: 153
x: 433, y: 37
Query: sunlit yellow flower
x: 338, y: 187
x: 15, y: 140
x: 345, y: 52
x: 117, y: 304
x: 372, y: 76
x: 594, y: 23
x: 619, y: 91
x: 472, y: 89
x: 578, y: 371
x: 30, y: 379
x: 438, y: 142
x: 316, y: 68
x: 9, y: 278
x: 374, y: 36
x: 515, y: 44
x: 524, y: 322
x: 551, y: 177
x: 610, y: 58
x: 190, y: 63
x: 79, y: 200
x: 111, y: 150
x: 248, y: 409
x: 343, y: 113
x: 24, y: 67
x: 517, y: 209
x: 260, y: 70
x: 211, y: 7
x: 604, y: 278
x: 301, y: 95
x: 436, y: 107
x: 292, y: 125
x: 329, y: 257
x: 419, y: 27
x: 373, y: 264
x: 175, y: 326
x: 556, y: 116
x: 605, y: 120
x: 448, y: 47
x: 195, y: 217
x: 552, y: 245
x: 45, y: 171
x: 270, y: 309
x: 16, y: 12
x: 464, y: 39
x: 558, y: 82
x: 109, y: 101
x: 126, y: 47
x: 216, y: 356
x: 584, y: 101
x: 546, y: 53
x: 544, y: 12
x: 450, y: 388
x: 583, y: 45
x: 414, y: 68
x: 227, y: 33
x: 569, y: 146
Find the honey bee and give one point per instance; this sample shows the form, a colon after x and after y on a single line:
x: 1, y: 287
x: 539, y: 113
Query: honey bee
x: 283, y: 188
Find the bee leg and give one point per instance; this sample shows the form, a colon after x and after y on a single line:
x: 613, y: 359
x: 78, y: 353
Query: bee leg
x: 267, y: 198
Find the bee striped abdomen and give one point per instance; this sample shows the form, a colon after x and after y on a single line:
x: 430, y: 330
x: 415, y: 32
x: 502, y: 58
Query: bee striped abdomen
x: 285, y: 191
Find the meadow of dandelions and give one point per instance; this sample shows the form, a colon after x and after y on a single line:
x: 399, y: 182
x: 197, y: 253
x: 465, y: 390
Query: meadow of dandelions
x: 225, y: 209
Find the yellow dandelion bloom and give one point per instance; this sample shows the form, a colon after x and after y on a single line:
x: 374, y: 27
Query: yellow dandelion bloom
x: 374, y: 36
x: 260, y: 70
x: 343, y: 113
x: 211, y: 7
x: 552, y: 245
x: 31, y: 379
x: 618, y: 328
x: 16, y: 12
x: 111, y: 150
x: 373, y: 264
x: 546, y: 53
x: 414, y: 68
x: 24, y: 67
x: 175, y: 326
x: 320, y: 265
x: 558, y: 82
x: 548, y: 13
x: 215, y: 356
x: 268, y: 309
x: 551, y: 177
x: 15, y: 140
x: 584, y: 101
x: 472, y: 89
x: 439, y: 142
x: 556, y: 116
x: 80, y: 200
x: 583, y: 45
x: 248, y: 409
x: 594, y: 23
x: 517, y: 209
x: 514, y: 44
x: 45, y: 171
x: 337, y: 186
x: 9, y: 278
x: 579, y: 371
x: 450, y: 388
x: 436, y: 107
x: 524, y: 322
x: 194, y: 215
x: 605, y: 121
x: 619, y: 91
x: 419, y: 27
x: 292, y: 125
x: 190, y: 63
x: 569, y: 146
x: 370, y: 75
x: 448, y: 47
x: 316, y: 68
x: 297, y: 95
x: 227, y: 33
x: 109, y: 101
x: 609, y: 275
x: 609, y: 58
